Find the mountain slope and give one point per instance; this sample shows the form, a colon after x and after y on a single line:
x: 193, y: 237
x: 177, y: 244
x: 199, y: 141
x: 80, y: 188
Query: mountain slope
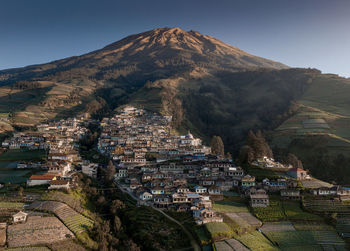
x: 207, y: 86
x: 35, y: 93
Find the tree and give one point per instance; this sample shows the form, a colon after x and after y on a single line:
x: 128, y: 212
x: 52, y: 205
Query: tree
x: 20, y: 192
x: 117, y: 224
x: 294, y: 161
x: 217, y: 146
x: 116, y: 205
x: 259, y: 145
x: 246, y: 154
x: 110, y: 172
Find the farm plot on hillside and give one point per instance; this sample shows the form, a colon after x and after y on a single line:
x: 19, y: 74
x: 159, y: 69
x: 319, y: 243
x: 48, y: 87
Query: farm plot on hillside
x: 229, y: 207
x: 306, y: 240
x: 29, y: 249
x: 312, y: 225
x: 328, y: 206
x: 76, y: 222
x: 36, y: 231
x: 293, y: 211
x: 255, y: 241
x: 230, y: 245
x: 274, y: 212
x: 343, y: 227
x: 219, y: 230
x: 277, y: 227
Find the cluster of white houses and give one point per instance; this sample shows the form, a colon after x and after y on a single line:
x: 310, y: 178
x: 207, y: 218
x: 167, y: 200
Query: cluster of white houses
x: 58, y: 139
x: 133, y: 136
x: 160, y: 168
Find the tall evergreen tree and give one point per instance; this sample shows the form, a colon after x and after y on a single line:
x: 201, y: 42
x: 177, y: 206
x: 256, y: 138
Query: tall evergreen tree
x: 217, y: 146
x: 294, y: 161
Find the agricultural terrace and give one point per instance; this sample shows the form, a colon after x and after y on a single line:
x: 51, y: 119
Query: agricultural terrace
x: 274, y: 212
x: 256, y: 241
x: 7, y: 209
x: 229, y: 207
x: 230, y: 245
x: 237, y: 216
x: 328, y: 207
x: 76, y: 222
x: 219, y: 230
x: 241, y: 222
x: 29, y: 249
x: 343, y: 227
x: 306, y: 240
x: 37, y: 231
x: 74, y: 198
x: 10, y: 205
x: 284, y: 210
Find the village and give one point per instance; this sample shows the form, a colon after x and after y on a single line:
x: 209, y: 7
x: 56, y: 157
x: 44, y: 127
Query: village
x: 236, y: 207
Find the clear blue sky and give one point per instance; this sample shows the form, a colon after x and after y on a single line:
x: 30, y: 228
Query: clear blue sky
x: 302, y: 33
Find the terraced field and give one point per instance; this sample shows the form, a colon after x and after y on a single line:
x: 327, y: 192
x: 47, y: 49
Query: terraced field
x: 37, y: 231
x: 10, y: 205
x: 255, y: 241
x: 230, y: 245
x: 329, y: 207
x: 76, y: 222
x: 343, y: 227
x: 306, y: 240
x: 29, y: 249
x: 219, y: 230
x: 229, y: 207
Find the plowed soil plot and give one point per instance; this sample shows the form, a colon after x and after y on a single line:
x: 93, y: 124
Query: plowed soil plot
x: 37, y: 230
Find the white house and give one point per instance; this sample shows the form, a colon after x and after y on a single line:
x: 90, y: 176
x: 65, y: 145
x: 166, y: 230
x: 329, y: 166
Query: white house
x: 37, y: 180
x: 19, y: 217
x: 59, y: 184
x: 146, y: 196
x: 200, y: 189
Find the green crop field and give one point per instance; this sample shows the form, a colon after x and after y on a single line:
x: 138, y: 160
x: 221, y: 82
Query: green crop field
x: 328, y: 206
x: 293, y: 211
x: 306, y: 239
x: 312, y: 225
x: 10, y: 205
x: 229, y: 207
x: 219, y: 230
x: 78, y: 223
x: 274, y: 212
x: 202, y: 235
x: 255, y: 241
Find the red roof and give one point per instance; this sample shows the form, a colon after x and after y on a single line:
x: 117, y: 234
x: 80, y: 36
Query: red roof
x: 42, y: 177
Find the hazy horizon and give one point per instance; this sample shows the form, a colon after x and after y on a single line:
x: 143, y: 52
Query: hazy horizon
x: 309, y: 33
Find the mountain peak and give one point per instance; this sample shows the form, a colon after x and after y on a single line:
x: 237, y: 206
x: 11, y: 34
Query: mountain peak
x: 176, y: 43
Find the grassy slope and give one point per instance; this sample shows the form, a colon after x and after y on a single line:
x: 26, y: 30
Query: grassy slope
x: 326, y: 99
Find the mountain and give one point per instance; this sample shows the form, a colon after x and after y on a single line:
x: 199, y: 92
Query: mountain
x: 209, y: 87
x: 46, y: 91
